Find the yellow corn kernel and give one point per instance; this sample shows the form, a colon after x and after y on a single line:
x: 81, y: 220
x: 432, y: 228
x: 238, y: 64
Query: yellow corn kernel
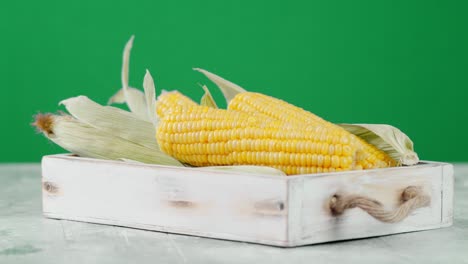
x: 250, y: 102
x: 171, y: 101
x: 202, y: 136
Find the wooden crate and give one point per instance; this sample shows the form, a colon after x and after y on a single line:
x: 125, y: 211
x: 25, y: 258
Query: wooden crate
x: 273, y: 210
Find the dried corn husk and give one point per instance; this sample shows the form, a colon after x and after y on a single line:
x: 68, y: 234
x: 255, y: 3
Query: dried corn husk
x: 207, y: 99
x: 88, y: 141
x: 228, y: 88
x: 388, y: 139
x: 112, y: 120
x: 134, y: 98
x: 150, y: 96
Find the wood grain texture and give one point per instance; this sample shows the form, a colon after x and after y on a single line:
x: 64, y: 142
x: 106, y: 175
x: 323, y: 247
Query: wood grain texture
x: 204, y: 203
x: 273, y: 210
x: 319, y: 225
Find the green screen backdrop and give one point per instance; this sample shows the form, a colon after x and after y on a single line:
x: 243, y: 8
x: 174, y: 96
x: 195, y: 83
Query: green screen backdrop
x: 403, y: 63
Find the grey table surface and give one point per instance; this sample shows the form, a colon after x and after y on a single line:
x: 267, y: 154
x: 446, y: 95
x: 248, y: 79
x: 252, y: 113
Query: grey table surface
x: 27, y: 237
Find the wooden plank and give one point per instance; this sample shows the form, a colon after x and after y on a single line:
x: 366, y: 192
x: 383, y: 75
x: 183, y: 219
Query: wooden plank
x: 447, y: 194
x: 274, y: 210
x: 295, y: 199
x: 319, y: 225
x: 204, y: 203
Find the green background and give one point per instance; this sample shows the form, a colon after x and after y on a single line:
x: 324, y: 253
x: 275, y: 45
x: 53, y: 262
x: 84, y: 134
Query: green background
x: 403, y: 63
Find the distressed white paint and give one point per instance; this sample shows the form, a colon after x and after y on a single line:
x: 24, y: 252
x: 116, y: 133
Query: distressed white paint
x: 274, y: 210
x: 386, y: 186
x: 171, y: 199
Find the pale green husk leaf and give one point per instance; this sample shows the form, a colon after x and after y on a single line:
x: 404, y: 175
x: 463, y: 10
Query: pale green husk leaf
x: 88, y: 141
x: 228, y: 88
x: 112, y: 120
x: 150, y: 96
x: 388, y: 139
x: 119, y: 97
x: 207, y: 99
x: 134, y: 98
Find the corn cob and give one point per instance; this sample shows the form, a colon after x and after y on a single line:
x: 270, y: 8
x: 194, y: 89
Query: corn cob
x: 170, y: 101
x: 202, y: 136
x: 368, y: 156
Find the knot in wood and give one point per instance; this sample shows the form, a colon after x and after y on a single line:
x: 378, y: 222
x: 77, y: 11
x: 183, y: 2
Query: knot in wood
x: 50, y: 187
x: 409, y: 193
x: 334, y: 205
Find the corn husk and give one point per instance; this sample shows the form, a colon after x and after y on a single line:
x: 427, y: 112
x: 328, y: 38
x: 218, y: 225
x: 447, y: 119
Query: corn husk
x: 134, y: 98
x: 388, y: 139
x: 150, y: 96
x: 228, y: 88
x: 207, y: 99
x: 88, y: 141
x: 112, y: 120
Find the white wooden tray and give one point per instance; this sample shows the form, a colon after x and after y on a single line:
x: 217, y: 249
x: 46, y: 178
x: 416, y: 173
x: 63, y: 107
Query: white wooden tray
x: 274, y: 210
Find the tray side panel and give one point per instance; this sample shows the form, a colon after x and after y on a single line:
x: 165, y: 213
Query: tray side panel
x: 210, y: 204
x: 447, y: 194
x: 319, y: 225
